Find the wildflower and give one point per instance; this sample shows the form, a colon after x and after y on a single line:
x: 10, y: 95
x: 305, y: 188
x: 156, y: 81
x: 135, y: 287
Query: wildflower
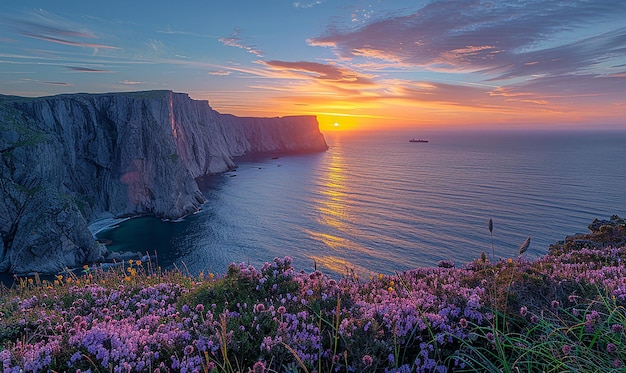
x: 200, y: 308
x: 445, y: 264
x: 617, y: 328
x: 188, y: 350
x: 281, y: 310
x: 566, y: 349
x: 463, y: 323
x: 611, y: 348
x: 367, y: 360
x: 617, y: 363
x: 555, y: 304
x: 258, y: 367
x: 523, y: 311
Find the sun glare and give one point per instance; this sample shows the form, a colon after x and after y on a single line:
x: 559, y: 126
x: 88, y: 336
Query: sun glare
x: 335, y: 122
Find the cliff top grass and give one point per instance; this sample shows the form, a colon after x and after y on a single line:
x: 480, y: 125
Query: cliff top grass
x: 562, y: 312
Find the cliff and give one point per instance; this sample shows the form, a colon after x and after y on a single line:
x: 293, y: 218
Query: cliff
x: 69, y: 159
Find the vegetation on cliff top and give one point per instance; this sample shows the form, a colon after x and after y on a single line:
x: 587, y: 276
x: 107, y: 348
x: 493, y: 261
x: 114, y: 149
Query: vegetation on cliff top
x: 562, y: 312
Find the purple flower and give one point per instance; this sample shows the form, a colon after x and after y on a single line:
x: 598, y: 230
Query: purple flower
x: 463, y: 323
x: 611, y: 348
x: 555, y: 304
x: 566, y: 349
x: 258, y: 367
x: 523, y: 310
x: 617, y: 328
x: 188, y: 350
x: 367, y: 360
x: 200, y: 308
x: 617, y: 363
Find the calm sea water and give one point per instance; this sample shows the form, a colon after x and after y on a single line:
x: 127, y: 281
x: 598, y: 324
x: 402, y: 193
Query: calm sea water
x: 376, y: 203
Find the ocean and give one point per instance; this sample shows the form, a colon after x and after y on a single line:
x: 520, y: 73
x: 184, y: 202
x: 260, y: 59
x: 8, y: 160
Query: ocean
x: 376, y: 203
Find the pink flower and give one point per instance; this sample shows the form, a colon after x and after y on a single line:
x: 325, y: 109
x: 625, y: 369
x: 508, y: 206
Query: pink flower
x: 258, y: 367
x: 523, y: 310
x: 367, y: 360
x: 566, y: 349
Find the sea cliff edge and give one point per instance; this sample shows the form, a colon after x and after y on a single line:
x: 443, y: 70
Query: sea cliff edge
x: 71, y: 159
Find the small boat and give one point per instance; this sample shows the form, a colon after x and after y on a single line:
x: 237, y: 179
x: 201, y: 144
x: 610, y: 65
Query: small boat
x: 418, y: 140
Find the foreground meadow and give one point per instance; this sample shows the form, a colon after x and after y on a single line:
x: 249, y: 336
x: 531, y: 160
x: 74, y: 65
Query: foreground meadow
x: 562, y: 312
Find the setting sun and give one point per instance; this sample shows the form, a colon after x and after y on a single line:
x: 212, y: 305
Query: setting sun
x: 336, y: 124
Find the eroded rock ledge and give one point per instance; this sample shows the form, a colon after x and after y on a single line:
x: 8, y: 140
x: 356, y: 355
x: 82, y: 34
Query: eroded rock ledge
x: 69, y: 159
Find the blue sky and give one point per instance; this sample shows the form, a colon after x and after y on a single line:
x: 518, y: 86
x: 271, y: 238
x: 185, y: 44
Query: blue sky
x: 362, y: 64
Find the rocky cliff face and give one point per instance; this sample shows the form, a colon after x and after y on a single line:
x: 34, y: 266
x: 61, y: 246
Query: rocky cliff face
x: 68, y: 159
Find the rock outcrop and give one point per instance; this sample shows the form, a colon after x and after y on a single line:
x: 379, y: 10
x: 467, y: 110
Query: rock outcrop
x: 69, y: 159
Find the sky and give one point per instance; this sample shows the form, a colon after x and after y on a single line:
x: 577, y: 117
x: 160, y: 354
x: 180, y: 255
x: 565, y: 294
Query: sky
x: 382, y: 64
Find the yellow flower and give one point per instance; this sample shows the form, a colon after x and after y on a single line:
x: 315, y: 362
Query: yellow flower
x: 392, y: 283
x: 390, y: 289
x: 380, y: 276
x: 510, y: 260
x: 138, y: 262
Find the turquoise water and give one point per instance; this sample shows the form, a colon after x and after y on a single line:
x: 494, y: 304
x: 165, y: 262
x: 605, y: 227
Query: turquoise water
x: 376, y: 203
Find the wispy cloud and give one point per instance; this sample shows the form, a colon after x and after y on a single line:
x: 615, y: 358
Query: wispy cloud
x: 505, y: 39
x: 61, y: 84
x: 68, y: 42
x: 306, y: 5
x: 130, y: 82
x: 48, y: 27
x: 168, y: 31
x: 86, y: 69
x: 235, y: 41
x: 320, y: 71
x: 219, y: 72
